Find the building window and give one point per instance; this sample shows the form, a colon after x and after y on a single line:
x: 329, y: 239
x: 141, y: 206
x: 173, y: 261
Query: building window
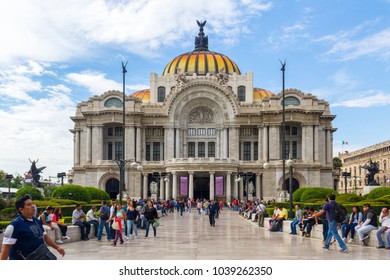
x: 294, y: 149
x: 211, y: 131
x: 201, y: 149
x: 118, y: 131
x: 191, y: 131
x: 191, y: 149
x: 291, y: 101
x: 247, y: 150
x: 256, y: 151
x: 109, y: 150
x: 160, y: 94
x: 241, y: 93
x: 201, y: 131
x: 118, y: 150
x: 156, y: 151
x: 287, y: 130
x: 294, y: 130
x: 286, y: 149
x: 113, y: 102
x: 211, y: 149
x: 255, y: 131
x: 110, y: 131
x: 147, y: 155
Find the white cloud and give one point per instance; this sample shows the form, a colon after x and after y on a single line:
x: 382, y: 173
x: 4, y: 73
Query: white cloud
x: 373, y: 99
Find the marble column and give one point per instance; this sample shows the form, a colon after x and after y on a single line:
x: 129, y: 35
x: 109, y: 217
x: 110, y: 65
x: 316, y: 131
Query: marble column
x: 145, y: 186
x: 100, y: 143
x: 218, y: 144
x: 212, y: 187
x: 138, y: 145
x: 89, y: 144
x: 274, y: 138
x: 258, y: 186
x: 130, y: 142
x: 174, y: 186
x: 235, y: 187
x: 241, y: 189
x: 225, y: 143
x: 95, y: 144
x: 304, y: 128
x: 328, y: 146
x: 316, y: 144
x: 265, y: 144
x: 167, y: 188
x: 260, y: 144
x: 191, y: 185
x: 228, y: 186
x: 162, y: 188
x: 77, y: 148
x: 178, y: 143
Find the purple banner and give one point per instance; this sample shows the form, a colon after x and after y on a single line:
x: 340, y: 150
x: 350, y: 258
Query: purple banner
x: 219, y: 185
x: 184, y: 185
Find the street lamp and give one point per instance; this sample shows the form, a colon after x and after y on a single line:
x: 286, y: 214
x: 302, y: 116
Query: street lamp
x: 283, y: 125
x: 9, y: 177
x: 61, y: 175
x: 290, y: 164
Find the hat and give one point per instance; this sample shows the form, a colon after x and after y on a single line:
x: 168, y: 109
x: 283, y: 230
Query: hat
x: 48, y: 208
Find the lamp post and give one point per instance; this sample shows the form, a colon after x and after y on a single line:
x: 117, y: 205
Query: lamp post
x: 290, y: 164
x: 9, y: 177
x: 61, y: 175
x: 283, y: 125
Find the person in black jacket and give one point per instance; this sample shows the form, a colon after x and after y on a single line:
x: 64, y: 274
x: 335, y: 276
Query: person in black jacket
x: 150, y: 216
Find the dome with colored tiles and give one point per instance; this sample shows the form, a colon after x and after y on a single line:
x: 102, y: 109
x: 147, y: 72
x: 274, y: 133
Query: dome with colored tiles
x: 201, y: 61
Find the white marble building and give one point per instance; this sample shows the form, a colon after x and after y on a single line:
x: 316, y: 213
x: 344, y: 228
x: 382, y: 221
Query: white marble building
x: 201, y: 125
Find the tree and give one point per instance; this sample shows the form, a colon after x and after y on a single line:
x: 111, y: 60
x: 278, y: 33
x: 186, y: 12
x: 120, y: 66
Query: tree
x: 337, y: 164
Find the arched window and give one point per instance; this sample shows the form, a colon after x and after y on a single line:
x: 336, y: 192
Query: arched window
x: 113, y: 102
x: 160, y: 94
x: 291, y: 101
x: 241, y: 93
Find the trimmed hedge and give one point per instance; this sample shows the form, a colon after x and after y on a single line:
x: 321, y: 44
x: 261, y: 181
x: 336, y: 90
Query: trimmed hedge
x: 33, y: 191
x: 74, y: 192
x: 377, y: 193
x: 348, y: 198
x: 298, y: 193
x: 318, y: 193
x: 97, y: 194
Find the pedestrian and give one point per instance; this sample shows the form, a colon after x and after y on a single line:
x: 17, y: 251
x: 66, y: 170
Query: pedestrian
x: 181, y: 207
x: 25, y: 233
x: 150, y: 216
x: 329, y: 209
x: 119, y: 218
x: 132, y: 220
x: 104, y: 221
x: 212, y: 209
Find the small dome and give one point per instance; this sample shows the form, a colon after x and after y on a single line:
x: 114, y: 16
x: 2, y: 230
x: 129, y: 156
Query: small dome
x: 201, y: 62
x: 259, y: 94
x: 143, y: 95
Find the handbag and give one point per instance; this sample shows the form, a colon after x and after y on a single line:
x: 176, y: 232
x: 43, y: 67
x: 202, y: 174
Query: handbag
x: 61, y: 221
x: 41, y: 253
x: 115, y: 225
x: 156, y: 224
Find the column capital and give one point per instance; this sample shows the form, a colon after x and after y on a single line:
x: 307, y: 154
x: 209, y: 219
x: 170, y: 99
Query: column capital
x: 212, y: 172
x: 191, y: 172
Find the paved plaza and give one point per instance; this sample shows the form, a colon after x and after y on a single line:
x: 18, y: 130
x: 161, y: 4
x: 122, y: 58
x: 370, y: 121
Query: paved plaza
x: 190, y: 237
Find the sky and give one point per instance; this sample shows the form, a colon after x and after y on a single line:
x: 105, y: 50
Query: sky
x: 55, y: 54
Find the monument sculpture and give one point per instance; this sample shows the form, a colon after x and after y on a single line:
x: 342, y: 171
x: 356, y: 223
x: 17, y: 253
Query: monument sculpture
x: 35, y: 173
x: 372, y: 169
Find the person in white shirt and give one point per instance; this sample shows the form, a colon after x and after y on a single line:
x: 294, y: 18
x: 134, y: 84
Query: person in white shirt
x: 384, y: 219
x: 92, y: 219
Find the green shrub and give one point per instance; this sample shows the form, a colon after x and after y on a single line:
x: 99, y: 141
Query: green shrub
x: 33, y: 191
x: 377, y: 193
x: 318, y: 193
x: 3, y: 203
x: 97, y: 194
x: 4, y: 224
x: 8, y: 214
x: 45, y: 203
x: 74, y: 192
x: 298, y: 193
x: 348, y: 198
x: 61, y: 201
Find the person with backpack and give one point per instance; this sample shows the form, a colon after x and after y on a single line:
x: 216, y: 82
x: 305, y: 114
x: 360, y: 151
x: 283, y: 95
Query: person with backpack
x: 103, y: 222
x: 332, y: 211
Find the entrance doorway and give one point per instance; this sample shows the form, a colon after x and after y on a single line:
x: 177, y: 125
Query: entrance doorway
x: 112, y: 187
x: 295, y: 185
x: 201, y: 188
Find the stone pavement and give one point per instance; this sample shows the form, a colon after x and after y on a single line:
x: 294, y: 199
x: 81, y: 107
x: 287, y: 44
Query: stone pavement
x: 191, y: 238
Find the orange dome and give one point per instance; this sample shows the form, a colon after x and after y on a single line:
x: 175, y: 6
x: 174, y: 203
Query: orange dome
x: 201, y: 62
x: 144, y: 95
x: 259, y: 94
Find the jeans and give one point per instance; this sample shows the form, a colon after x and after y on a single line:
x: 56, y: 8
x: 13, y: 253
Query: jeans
x: 333, y: 232
x: 349, y: 228
x: 148, y: 223
x: 294, y: 224
x: 131, y: 225
x: 102, y: 224
x: 212, y: 218
x: 181, y: 211
x: 364, y: 230
x: 325, y: 229
x: 199, y: 211
x: 85, y: 228
x: 95, y: 226
x: 379, y: 236
x: 260, y: 218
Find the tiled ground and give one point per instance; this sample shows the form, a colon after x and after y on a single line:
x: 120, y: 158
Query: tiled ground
x: 191, y: 238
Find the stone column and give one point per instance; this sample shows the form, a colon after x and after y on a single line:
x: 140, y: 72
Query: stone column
x: 260, y: 144
x: 174, y: 185
x: 167, y: 189
x: 130, y: 142
x: 218, y: 143
x: 145, y: 186
x: 258, y: 186
x: 162, y: 188
x: 309, y: 142
x: 95, y: 144
x: 228, y: 186
x: 316, y: 144
x: 89, y: 143
x: 225, y: 143
x: 235, y: 189
x: 265, y: 144
x: 100, y: 143
x: 77, y: 148
x: 178, y: 143
x: 168, y: 143
x: 241, y: 189
x: 191, y: 185
x: 212, y: 187
x: 185, y: 148
x: 138, y: 144
x: 328, y: 146
x: 304, y: 147
x: 234, y: 142
x: 274, y: 138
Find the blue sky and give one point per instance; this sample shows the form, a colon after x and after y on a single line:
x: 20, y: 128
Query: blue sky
x: 55, y: 54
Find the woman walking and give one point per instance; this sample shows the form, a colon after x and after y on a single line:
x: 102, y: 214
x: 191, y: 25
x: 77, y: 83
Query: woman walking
x: 119, y: 216
x: 150, y: 216
x: 132, y: 220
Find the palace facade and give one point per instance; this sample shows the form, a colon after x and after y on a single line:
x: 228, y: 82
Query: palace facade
x: 202, y: 130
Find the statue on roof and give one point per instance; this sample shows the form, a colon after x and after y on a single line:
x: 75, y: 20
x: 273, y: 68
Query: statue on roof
x: 201, y: 41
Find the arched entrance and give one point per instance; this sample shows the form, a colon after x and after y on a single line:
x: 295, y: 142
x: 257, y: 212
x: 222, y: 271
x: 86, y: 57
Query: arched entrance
x: 201, y: 188
x: 295, y: 185
x: 112, y: 187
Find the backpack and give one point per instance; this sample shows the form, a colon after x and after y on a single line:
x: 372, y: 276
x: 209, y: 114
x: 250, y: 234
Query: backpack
x: 104, y: 213
x: 340, y: 213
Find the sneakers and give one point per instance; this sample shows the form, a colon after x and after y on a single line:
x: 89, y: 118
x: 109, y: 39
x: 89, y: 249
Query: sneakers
x: 381, y: 247
x: 345, y: 250
x: 127, y: 238
x: 59, y: 241
x: 365, y: 237
x: 325, y: 248
x: 344, y: 239
x: 350, y: 240
x: 65, y: 237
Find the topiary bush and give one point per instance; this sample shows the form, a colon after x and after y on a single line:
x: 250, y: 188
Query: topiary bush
x: 298, y: 193
x: 377, y: 193
x: 97, y: 194
x: 2, y: 203
x: 73, y: 192
x: 319, y: 193
x: 32, y: 191
x: 346, y: 198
